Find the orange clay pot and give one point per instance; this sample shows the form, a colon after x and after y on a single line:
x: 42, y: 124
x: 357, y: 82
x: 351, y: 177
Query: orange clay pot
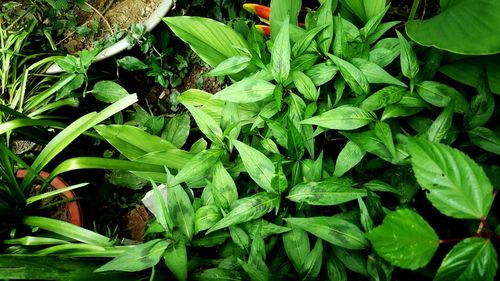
x: 73, y: 209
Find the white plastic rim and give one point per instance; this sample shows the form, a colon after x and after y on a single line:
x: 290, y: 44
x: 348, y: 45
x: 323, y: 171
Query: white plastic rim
x: 123, y: 44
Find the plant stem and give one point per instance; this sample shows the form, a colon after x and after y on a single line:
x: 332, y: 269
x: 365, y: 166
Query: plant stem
x: 413, y: 10
x: 445, y: 241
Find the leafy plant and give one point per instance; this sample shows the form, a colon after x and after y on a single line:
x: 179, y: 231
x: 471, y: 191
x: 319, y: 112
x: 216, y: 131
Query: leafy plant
x: 323, y: 157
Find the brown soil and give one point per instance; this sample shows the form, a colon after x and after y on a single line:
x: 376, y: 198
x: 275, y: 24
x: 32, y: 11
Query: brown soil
x: 115, y: 13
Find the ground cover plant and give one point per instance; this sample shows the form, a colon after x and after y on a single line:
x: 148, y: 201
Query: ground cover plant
x: 345, y: 147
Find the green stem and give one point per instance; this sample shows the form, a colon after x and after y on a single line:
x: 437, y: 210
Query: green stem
x: 413, y: 10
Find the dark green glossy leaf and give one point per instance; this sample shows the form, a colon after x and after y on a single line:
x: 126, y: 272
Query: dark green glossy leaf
x: 382, y: 98
x: 440, y: 95
x: 354, y: 260
x: 472, y: 259
x: 335, y: 270
x: 333, y: 230
x: 486, y: 139
x: 405, y: 239
x: 409, y: 62
x: 312, y: 264
x: 375, y: 73
x: 296, y: 244
x: 458, y: 186
x: 440, y: 127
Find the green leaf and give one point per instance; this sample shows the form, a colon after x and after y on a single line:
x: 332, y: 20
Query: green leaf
x: 207, y: 124
x: 321, y: 73
x: 464, y: 27
x: 312, y: 264
x: 458, y: 187
x: 263, y: 228
x: 384, y: 133
x: 333, y: 230
x: 364, y: 9
x: 223, y: 187
x: 296, y: 244
x: 248, y: 90
x: 305, y: 85
x: 306, y: 41
x: 440, y: 127
x: 240, y: 237
x: 131, y: 63
x: 486, y: 139
x: 342, y: 118
x: 280, y: 11
x: 482, y: 107
x: 205, y: 217
x: 340, y: 47
x: 384, y: 97
x: 374, y: 73
x: 247, y: 209
x: 352, y: 75
x: 108, y: 91
x: 348, y: 158
x: 177, y: 130
x: 280, y: 54
x: 385, y: 51
x: 440, y: 95
x: 217, y: 274
x: 352, y: 259
x: 409, y: 62
x: 232, y: 65
x: 198, y: 165
x: 180, y: 210
x: 325, y: 17
x: 176, y: 260
x: 137, y: 258
x: 326, y: 193
x: 472, y: 259
x: 369, y: 142
x: 258, y: 166
x: 335, y: 270
x: 213, y: 41
x: 405, y: 239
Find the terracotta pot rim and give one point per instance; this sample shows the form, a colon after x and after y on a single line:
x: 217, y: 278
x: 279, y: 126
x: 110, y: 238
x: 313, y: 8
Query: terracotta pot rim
x: 73, y: 208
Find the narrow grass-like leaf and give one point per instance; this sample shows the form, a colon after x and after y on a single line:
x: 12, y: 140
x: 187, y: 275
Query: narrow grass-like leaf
x: 333, y: 230
x: 458, y: 186
x: 67, y: 229
x: 405, y: 239
x: 258, y: 166
x: 342, y: 118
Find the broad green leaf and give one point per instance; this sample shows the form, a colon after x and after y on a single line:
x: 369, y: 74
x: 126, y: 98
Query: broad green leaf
x: 405, y: 239
x: 440, y: 127
x: 352, y: 75
x: 140, y: 257
x: 263, y: 228
x: 369, y: 142
x: 198, y: 165
x: 340, y: 48
x: 333, y: 230
x: 207, y: 124
x: 326, y: 193
x: 441, y: 95
x: 258, y: 166
x: 223, y: 188
x: 176, y: 259
x: 382, y: 98
x: 180, y: 210
x: 348, y: 158
x: 458, y: 187
x: 384, y: 133
x: 312, y: 264
x: 307, y: 41
x: 240, y: 237
x: 177, y: 130
x: 472, y: 259
x: 247, y: 209
x: 374, y: 73
x: 211, y: 240
x: 385, y: 51
x: 409, y: 62
x: 482, y: 107
x: 248, y: 90
x: 280, y: 54
x: 321, y: 73
x: 364, y: 9
x: 131, y: 63
x: 203, y: 101
x: 205, y: 217
x: 296, y: 244
x: 464, y: 27
x: 230, y: 66
x: 325, y: 17
x: 213, y: 41
x: 486, y: 139
x: 354, y: 260
x: 305, y: 85
x: 381, y: 30
x: 280, y: 11
x: 335, y: 270
x: 342, y: 118
x: 374, y: 20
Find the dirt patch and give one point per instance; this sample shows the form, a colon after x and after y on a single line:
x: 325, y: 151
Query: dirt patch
x: 105, y: 17
x: 196, y: 80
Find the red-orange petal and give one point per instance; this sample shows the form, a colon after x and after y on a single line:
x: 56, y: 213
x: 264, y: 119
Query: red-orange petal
x: 264, y: 29
x: 260, y: 10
